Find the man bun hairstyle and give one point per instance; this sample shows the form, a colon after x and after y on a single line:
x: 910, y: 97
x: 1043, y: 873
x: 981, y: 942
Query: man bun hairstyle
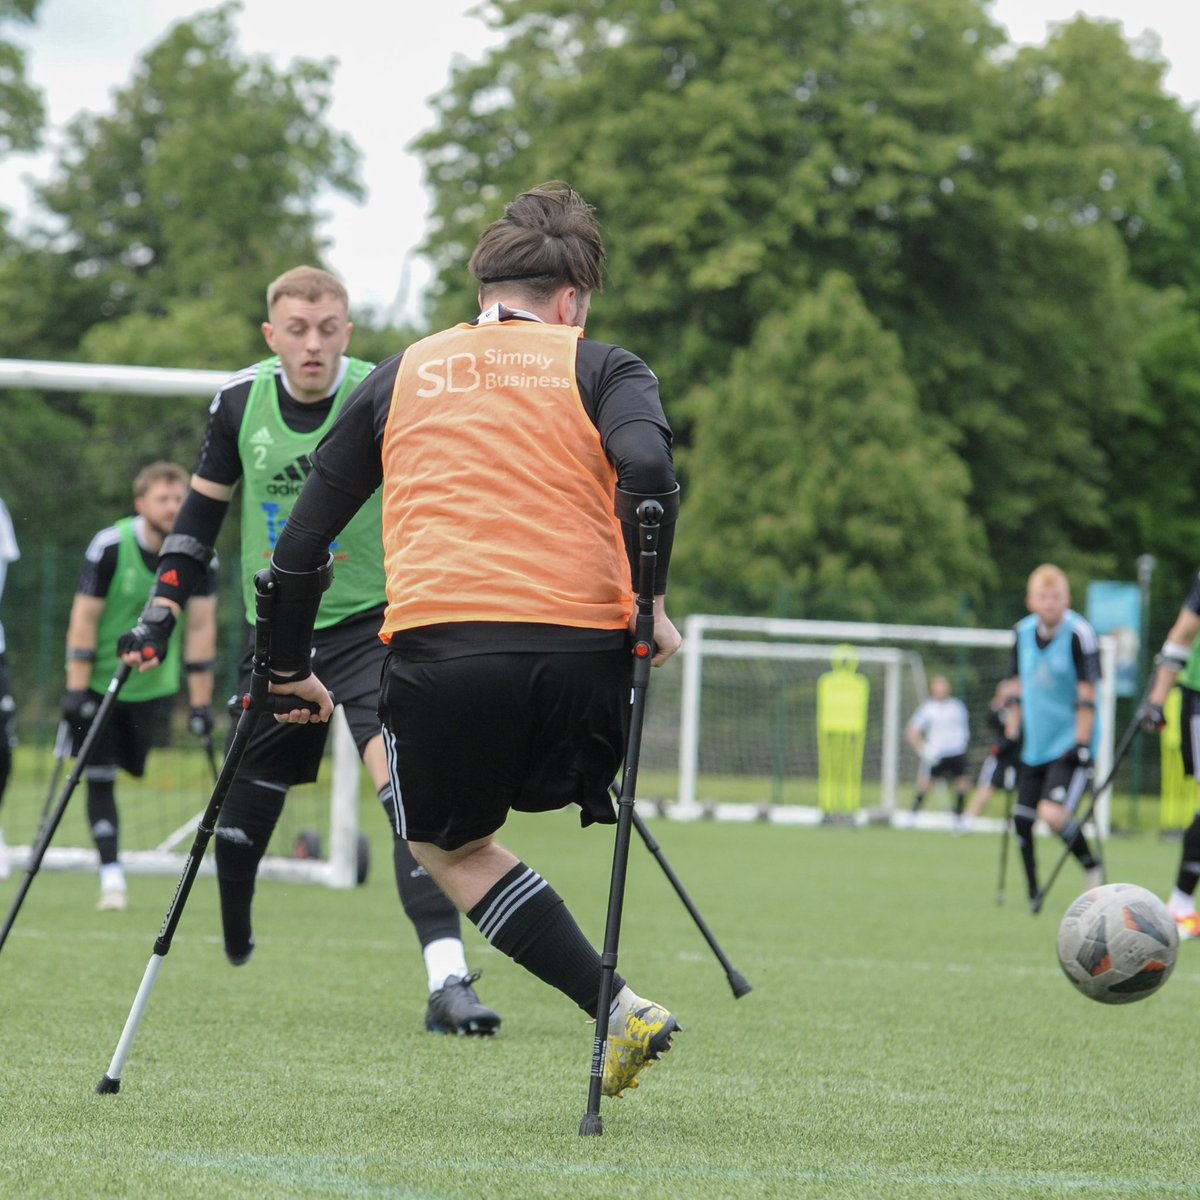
x: 548, y: 238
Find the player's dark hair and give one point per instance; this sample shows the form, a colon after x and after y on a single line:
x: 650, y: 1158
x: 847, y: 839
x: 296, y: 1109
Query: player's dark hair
x: 548, y: 238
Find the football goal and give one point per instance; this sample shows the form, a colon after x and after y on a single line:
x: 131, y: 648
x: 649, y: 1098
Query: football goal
x: 803, y: 721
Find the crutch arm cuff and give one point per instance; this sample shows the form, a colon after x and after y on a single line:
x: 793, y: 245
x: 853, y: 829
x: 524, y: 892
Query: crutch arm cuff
x: 188, y: 546
x: 626, y: 505
x: 294, y: 613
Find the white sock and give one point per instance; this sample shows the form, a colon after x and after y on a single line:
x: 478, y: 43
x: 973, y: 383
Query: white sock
x: 1181, y: 904
x: 112, y: 875
x: 444, y: 957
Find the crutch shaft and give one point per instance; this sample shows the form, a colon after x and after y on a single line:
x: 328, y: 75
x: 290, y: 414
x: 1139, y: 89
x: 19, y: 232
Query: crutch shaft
x: 649, y: 514
x: 737, y: 981
x: 49, y: 827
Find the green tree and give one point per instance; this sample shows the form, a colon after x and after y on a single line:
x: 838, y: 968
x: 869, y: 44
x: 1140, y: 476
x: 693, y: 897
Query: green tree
x: 993, y: 208
x: 22, y: 113
x: 819, y: 488
x: 164, y: 222
x: 199, y: 184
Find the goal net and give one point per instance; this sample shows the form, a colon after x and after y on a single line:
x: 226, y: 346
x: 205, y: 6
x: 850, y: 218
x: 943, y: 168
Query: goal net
x: 317, y: 839
x: 803, y: 721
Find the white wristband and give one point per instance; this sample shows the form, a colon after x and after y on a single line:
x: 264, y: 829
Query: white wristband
x: 1174, y: 654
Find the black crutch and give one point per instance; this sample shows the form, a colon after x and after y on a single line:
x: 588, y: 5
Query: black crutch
x: 207, y: 742
x: 737, y: 981
x: 99, y: 721
x: 257, y: 701
x: 1004, y: 838
x: 62, y: 751
x: 649, y: 514
x: 1035, y: 905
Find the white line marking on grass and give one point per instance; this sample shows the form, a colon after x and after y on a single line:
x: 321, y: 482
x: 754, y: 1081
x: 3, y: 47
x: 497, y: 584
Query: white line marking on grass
x: 329, y: 1173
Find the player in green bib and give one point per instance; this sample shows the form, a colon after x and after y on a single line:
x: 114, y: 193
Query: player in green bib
x: 263, y: 426
x: 117, y: 572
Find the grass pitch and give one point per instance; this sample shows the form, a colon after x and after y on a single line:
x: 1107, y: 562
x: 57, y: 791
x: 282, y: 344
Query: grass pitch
x: 906, y: 1037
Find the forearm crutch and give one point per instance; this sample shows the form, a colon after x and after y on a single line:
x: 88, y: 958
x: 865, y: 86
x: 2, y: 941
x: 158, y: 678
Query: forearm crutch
x: 211, y: 754
x: 257, y: 701
x: 1035, y: 905
x: 737, y: 981
x: 62, y: 751
x: 1004, y: 839
x: 649, y: 515
x: 49, y: 826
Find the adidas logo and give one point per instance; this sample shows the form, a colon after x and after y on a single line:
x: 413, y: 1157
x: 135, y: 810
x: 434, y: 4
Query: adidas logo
x: 170, y: 578
x: 290, y: 480
x: 262, y: 437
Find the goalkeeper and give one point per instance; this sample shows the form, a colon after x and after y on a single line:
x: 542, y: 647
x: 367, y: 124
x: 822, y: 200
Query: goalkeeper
x: 263, y: 425
x: 940, y: 732
x: 1177, y: 663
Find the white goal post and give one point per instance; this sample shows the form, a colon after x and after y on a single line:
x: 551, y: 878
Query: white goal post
x: 787, y: 656
x: 341, y: 867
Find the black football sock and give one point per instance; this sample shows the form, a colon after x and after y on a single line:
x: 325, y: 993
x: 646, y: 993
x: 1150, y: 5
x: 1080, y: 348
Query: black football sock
x: 426, y: 905
x: 102, y: 817
x: 525, y: 918
x: 248, y: 817
x: 1072, y: 835
x: 1023, y: 819
x: 1189, y: 861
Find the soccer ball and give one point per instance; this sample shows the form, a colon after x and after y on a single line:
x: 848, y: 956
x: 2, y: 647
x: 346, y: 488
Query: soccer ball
x: 1118, y: 943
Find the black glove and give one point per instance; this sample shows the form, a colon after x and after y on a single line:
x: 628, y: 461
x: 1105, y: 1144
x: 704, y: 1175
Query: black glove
x: 150, y: 636
x: 1151, y: 718
x: 200, y: 720
x: 1080, y: 757
x: 79, y: 707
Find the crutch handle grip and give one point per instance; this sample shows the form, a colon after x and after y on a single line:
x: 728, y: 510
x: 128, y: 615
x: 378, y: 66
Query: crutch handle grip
x: 275, y: 703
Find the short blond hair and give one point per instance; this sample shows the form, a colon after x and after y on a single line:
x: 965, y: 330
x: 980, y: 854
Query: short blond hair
x: 306, y: 283
x: 157, y: 472
x: 1045, y: 576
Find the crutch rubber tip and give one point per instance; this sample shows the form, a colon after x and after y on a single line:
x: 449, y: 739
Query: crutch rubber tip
x: 592, y: 1125
x: 740, y: 984
x: 108, y: 1086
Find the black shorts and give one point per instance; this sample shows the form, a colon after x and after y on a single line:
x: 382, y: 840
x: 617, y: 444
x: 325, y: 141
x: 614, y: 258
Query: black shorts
x: 1054, y: 781
x: 999, y: 769
x: 133, y: 728
x: 348, y: 659
x: 471, y: 738
x: 953, y: 766
x: 1189, y: 722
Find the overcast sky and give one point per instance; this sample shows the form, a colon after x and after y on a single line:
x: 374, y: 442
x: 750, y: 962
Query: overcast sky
x: 393, y: 55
